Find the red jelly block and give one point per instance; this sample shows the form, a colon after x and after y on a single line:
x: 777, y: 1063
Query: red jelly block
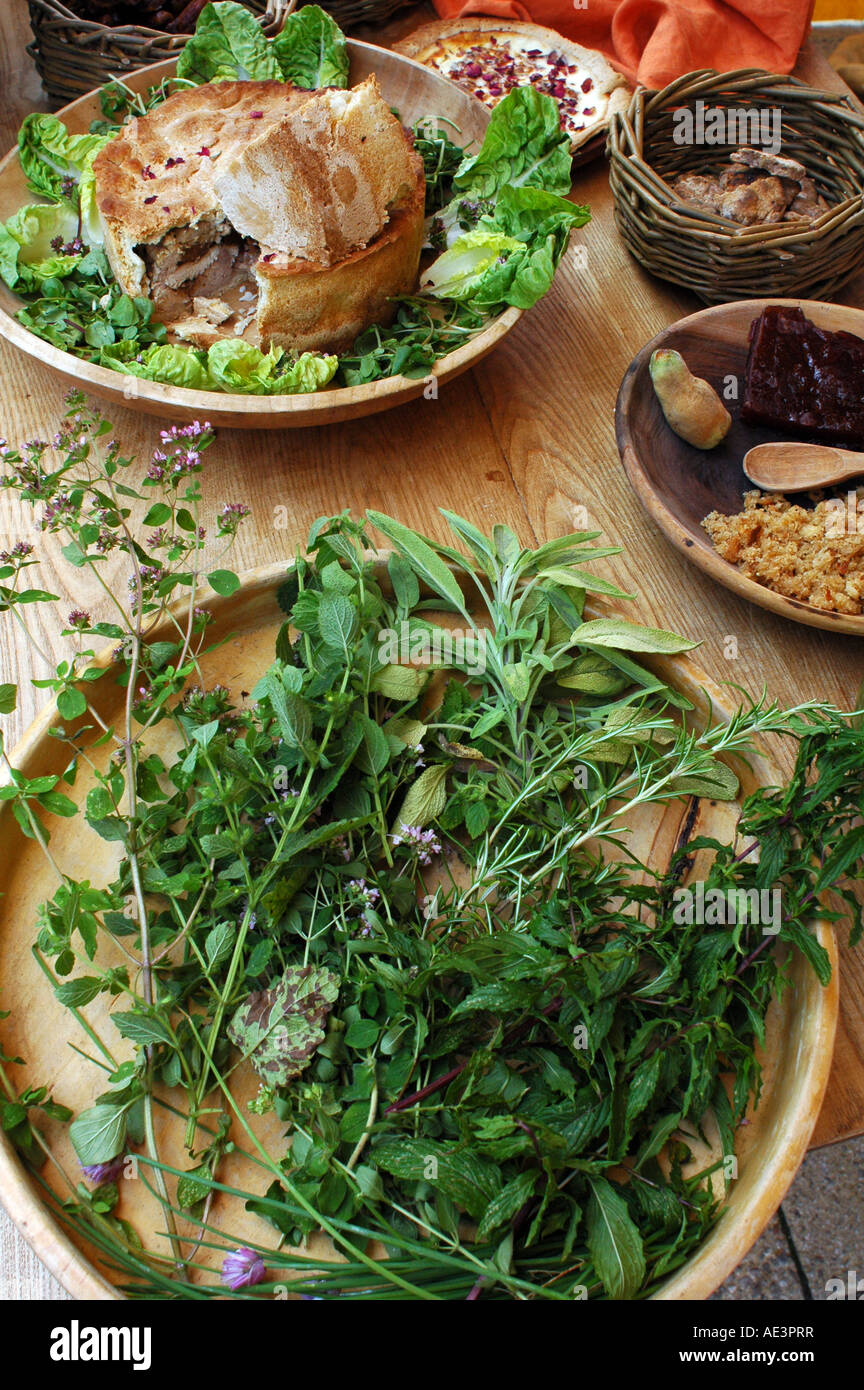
x: 805, y: 380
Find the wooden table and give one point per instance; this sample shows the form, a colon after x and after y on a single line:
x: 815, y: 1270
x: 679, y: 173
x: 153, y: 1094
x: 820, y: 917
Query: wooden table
x: 527, y: 439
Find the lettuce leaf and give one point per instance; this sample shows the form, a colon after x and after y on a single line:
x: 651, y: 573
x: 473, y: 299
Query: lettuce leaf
x: 228, y: 43
x: 229, y: 365
x: 511, y: 255
x: 523, y: 144
x: 311, y: 49
x: 50, y: 156
x: 542, y: 221
x: 530, y: 213
x: 471, y: 264
x: 235, y: 365
x: 309, y: 373
x: 26, y: 254
x: 167, y: 362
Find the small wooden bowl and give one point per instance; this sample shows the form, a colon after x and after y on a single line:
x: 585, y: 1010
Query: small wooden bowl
x: 720, y: 260
x: 416, y: 93
x: 800, y: 1025
x: 678, y: 484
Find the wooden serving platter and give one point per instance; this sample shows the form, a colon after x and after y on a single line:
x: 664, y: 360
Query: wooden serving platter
x: 678, y: 484
x: 416, y: 93
x: 799, y: 1036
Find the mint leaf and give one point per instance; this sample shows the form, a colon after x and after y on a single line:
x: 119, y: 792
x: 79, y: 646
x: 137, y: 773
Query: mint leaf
x: 614, y: 1241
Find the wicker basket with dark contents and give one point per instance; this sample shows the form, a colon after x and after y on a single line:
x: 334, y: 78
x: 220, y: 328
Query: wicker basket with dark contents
x: 718, y: 259
x: 74, y: 55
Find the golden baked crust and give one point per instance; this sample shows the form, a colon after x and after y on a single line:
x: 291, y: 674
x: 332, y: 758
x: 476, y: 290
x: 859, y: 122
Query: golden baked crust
x: 439, y: 44
x: 158, y: 172
x: 350, y: 161
x: 314, y: 308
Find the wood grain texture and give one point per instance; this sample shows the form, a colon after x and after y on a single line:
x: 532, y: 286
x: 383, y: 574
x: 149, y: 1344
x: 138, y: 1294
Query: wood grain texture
x: 526, y: 438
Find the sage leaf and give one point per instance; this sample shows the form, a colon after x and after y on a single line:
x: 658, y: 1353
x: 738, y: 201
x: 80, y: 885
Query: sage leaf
x: 425, y: 799
x: 629, y: 637
x: 400, y: 683
x: 422, y: 558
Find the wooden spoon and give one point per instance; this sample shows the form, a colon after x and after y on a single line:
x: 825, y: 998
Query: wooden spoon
x: 798, y: 467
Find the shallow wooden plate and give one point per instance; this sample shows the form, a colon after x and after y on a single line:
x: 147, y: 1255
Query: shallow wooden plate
x: 677, y: 484
x: 799, y: 1035
x: 417, y: 93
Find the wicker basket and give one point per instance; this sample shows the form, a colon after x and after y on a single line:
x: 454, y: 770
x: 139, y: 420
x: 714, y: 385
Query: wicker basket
x: 717, y: 259
x: 74, y: 56
x: 349, y: 13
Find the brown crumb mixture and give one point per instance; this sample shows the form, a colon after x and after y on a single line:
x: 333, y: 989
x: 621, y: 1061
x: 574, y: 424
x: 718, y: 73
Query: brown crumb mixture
x: 815, y: 556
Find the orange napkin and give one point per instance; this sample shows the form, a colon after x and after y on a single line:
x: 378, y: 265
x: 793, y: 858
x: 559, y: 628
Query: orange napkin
x: 655, y: 41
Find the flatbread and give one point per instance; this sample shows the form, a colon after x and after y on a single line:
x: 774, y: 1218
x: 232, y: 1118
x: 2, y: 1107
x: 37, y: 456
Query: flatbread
x: 488, y: 57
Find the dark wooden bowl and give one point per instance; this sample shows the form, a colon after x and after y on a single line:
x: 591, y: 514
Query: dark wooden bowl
x: 678, y: 484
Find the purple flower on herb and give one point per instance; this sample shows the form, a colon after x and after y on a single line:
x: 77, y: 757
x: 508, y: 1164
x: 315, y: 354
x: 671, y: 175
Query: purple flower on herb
x: 19, y: 551
x: 230, y: 518
x: 242, y: 1268
x: 99, y: 1173
x: 79, y: 617
x: 425, y: 842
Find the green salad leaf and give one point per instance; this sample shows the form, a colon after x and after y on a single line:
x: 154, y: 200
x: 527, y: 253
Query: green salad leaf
x: 53, y: 161
x: 228, y: 43
x: 229, y: 365
x: 533, y: 214
x: 524, y: 144
x: 26, y: 254
x: 471, y: 265
x: 168, y: 362
x: 511, y: 255
x: 311, y: 49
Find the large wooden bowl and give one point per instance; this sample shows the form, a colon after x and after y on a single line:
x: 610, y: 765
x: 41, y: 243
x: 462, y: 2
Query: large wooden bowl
x: 416, y: 93
x: 678, y: 484
x: 800, y: 1027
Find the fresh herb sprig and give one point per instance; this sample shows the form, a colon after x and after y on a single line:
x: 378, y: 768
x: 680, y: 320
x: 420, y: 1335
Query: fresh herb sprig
x: 381, y: 882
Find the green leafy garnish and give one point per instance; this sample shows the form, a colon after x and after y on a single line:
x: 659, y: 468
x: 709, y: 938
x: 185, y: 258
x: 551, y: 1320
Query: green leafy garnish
x: 311, y: 49
x: 228, y: 44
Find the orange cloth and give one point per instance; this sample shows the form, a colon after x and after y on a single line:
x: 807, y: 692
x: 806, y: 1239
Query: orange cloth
x: 655, y: 41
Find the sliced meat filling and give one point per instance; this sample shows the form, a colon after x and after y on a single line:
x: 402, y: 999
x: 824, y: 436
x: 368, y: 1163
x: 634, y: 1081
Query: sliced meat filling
x: 207, y: 261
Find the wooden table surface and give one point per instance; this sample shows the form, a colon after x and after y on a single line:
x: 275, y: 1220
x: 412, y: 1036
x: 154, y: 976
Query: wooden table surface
x: 527, y: 439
